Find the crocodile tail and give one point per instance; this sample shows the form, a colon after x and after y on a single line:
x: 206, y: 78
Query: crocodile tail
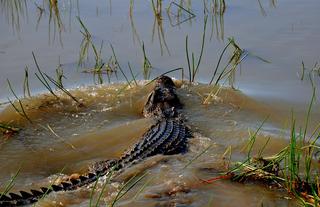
x: 26, y: 198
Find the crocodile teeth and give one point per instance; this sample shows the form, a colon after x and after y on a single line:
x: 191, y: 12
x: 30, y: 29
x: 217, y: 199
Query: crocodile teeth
x: 74, y: 181
x: 36, y: 193
x: 15, y: 196
x: 65, y: 185
x: 57, y: 187
x: 25, y: 194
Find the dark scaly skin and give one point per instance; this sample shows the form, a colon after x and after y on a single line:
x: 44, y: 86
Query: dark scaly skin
x: 168, y: 136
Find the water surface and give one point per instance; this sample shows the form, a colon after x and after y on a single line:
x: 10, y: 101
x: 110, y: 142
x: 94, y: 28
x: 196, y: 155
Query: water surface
x: 70, y: 137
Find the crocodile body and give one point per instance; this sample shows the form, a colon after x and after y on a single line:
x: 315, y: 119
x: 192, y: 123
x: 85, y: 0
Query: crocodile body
x: 167, y: 136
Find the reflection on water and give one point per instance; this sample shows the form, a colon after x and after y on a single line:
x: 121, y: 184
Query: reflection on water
x: 157, y: 25
x: 15, y: 11
x: 135, y: 34
x: 55, y: 21
x: 217, y: 11
x: 177, y: 14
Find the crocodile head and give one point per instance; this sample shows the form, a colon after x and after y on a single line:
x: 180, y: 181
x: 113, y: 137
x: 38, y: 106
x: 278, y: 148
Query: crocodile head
x: 163, y: 101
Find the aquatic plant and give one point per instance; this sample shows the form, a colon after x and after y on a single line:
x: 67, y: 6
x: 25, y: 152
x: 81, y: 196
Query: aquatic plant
x: 9, y: 184
x: 86, y: 43
x: 228, y: 71
x: 26, y: 87
x: 44, y: 78
x: 107, y: 181
x: 293, y: 168
x: 193, y: 67
x: 157, y: 24
x: 313, y: 72
x: 59, y: 74
x: 197, y: 156
x: 20, y: 110
x: 126, y: 187
x: 116, y: 60
x: 48, y: 189
x: 237, y: 57
x: 146, y: 64
x: 133, y: 76
x: 169, y: 71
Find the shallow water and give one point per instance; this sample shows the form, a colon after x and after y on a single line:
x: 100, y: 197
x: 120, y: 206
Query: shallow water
x: 110, y: 124
x: 70, y: 137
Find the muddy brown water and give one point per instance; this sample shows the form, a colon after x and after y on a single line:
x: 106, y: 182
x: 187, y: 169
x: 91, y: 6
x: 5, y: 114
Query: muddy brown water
x: 66, y: 138
x: 111, y: 122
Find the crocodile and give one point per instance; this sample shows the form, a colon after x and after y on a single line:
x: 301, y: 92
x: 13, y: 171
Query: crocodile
x: 169, y: 135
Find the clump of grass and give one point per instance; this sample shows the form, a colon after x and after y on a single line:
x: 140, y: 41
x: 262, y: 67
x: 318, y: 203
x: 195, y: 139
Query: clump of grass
x: 100, y: 67
x: 45, y: 79
x: 293, y: 168
x: 108, y: 68
x: 193, y: 66
x: 86, y: 43
x: 238, y: 55
x: 228, y: 71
